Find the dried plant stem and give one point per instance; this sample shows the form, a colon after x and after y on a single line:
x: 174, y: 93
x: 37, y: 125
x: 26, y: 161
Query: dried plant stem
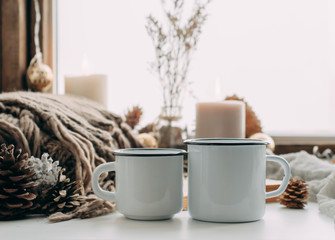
x: 174, y: 47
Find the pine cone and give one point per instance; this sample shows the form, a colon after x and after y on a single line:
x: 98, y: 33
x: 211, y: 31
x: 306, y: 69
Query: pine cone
x: 133, y: 116
x: 252, y: 124
x: 17, y: 189
x: 295, y: 195
x: 63, y: 197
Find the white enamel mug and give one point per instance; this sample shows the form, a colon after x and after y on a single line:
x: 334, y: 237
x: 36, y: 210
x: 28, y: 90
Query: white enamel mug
x: 226, y: 179
x: 149, y: 182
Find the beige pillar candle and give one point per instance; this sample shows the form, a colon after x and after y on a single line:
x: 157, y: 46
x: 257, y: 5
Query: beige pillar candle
x: 93, y: 87
x: 220, y: 119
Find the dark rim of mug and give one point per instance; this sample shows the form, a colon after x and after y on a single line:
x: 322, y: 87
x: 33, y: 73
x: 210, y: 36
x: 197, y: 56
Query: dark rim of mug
x: 154, y: 152
x: 225, y: 141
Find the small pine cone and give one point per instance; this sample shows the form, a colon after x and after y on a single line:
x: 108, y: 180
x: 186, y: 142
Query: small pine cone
x: 62, y: 197
x: 18, y: 192
x: 133, y: 116
x: 295, y: 195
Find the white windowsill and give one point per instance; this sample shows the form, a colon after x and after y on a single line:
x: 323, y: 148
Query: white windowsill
x: 278, y: 223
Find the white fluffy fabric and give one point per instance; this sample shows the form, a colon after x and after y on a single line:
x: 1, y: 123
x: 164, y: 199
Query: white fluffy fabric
x: 319, y: 174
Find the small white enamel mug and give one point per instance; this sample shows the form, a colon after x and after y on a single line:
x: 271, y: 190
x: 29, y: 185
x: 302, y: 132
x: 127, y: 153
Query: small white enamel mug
x: 226, y: 179
x: 149, y: 182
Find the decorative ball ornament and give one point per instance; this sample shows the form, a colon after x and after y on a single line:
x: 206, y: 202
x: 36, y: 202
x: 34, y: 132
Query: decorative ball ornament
x: 39, y: 75
x: 265, y: 137
x: 147, y: 140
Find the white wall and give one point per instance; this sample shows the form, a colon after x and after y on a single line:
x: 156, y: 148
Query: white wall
x: 278, y: 55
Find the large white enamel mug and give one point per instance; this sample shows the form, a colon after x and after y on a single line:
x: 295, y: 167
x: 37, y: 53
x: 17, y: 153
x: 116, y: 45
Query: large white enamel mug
x: 226, y: 179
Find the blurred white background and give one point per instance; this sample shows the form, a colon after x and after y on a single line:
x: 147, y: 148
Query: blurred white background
x: 278, y: 55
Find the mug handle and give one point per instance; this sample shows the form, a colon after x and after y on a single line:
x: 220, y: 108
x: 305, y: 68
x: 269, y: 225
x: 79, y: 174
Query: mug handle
x: 286, y: 178
x: 106, y: 167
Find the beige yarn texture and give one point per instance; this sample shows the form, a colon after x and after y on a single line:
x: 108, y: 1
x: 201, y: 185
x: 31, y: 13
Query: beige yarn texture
x: 81, y: 134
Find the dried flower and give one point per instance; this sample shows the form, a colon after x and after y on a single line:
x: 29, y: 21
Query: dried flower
x: 133, y: 116
x: 174, y: 47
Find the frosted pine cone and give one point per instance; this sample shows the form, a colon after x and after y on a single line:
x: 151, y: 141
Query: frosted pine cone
x: 46, y: 169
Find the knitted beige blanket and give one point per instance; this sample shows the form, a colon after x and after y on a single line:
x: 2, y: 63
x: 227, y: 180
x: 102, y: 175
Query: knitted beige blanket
x: 79, y: 133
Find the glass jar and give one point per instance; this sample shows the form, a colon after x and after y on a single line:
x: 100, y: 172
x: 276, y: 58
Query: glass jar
x: 170, y: 133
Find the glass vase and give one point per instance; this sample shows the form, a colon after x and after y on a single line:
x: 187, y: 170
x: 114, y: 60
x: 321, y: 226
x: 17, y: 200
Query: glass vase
x: 170, y: 133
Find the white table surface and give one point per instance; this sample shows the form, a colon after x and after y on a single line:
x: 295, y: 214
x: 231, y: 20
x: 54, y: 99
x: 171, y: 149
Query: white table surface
x: 278, y: 223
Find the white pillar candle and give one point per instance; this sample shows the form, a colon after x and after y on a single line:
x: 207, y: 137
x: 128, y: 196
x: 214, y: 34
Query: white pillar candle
x: 220, y: 119
x: 93, y: 87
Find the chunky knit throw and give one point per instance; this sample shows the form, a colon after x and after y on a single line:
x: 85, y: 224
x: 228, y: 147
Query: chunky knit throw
x: 79, y: 133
